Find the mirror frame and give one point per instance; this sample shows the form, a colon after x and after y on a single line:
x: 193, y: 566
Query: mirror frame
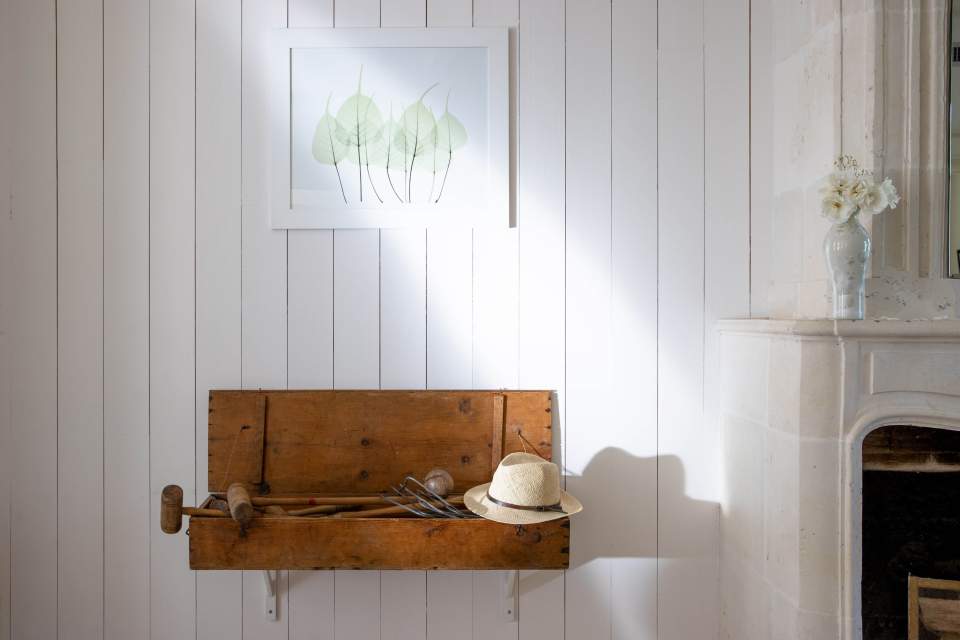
x: 912, y: 45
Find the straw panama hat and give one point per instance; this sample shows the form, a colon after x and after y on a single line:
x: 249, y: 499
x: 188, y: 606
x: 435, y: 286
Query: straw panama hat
x: 525, y: 490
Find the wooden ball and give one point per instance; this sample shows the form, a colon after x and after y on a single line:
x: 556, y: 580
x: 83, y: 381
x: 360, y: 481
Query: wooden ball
x: 439, y: 481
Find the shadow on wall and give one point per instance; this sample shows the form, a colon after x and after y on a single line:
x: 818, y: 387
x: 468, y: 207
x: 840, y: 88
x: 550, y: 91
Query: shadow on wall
x: 624, y: 496
x: 623, y: 503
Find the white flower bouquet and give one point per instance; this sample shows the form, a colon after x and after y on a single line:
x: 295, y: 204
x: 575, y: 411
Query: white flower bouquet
x: 851, y: 189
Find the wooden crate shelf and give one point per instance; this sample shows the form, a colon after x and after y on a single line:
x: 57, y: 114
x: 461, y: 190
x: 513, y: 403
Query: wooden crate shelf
x: 283, y: 443
x: 387, y: 543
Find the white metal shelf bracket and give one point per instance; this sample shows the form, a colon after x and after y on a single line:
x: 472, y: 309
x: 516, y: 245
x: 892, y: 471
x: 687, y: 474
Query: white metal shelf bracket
x: 270, y: 594
x: 508, y: 595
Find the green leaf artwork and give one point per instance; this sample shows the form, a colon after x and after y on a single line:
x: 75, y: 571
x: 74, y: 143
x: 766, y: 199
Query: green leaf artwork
x: 451, y: 135
x: 416, y: 143
x: 360, y: 125
x: 327, y: 145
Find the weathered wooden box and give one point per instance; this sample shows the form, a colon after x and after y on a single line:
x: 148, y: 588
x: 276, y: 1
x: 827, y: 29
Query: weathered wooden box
x: 285, y: 443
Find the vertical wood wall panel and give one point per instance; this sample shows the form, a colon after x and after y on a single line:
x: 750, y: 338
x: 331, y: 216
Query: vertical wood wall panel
x: 403, y: 13
x: 496, y: 275
x: 588, y: 192
x: 310, y: 267
x: 403, y: 308
x: 172, y: 282
x: 310, y: 354
x: 126, y: 339
x: 449, y: 13
x: 357, y: 603
x: 6, y: 298
x: 540, y: 213
x: 450, y: 290
x: 218, y: 245
x: 450, y: 320
x: 761, y: 154
x: 311, y: 605
x: 496, y: 263
x: 628, y: 465
x: 356, y: 320
x: 264, y: 268
x: 403, y: 351
x: 310, y: 13
x: 356, y: 366
x: 687, y: 523
x: 80, y: 318
x: 356, y: 295
x: 356, y: 13
x: 33, y: 321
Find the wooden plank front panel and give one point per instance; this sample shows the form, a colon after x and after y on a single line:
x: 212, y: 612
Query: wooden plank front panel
x: 367, y: 441
x: 396, y: 543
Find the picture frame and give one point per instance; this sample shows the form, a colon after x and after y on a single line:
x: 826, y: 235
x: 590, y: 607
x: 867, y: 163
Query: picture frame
x: 381, y: 128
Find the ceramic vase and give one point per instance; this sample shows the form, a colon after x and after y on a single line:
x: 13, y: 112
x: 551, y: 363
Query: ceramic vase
x: 847, y: 247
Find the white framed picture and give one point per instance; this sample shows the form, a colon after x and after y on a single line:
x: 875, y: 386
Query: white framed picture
x: 389, y: 128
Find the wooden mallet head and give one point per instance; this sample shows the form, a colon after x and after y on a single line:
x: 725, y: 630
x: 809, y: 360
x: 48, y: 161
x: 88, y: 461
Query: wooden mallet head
x: 171, y: 508
x: 241, y: 507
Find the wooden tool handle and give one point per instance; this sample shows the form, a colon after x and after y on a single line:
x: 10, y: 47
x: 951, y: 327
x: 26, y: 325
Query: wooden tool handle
x: 371, y: 513
x: 313, y: 501
x: 205, y: 513
x: 241, y: 508
x: 387, y: 511
x: 171, y: 508
x: 309, y: 511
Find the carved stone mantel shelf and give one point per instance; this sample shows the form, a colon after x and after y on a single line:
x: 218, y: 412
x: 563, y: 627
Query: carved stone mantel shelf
x: 948, y: 329
x: 798, y: 398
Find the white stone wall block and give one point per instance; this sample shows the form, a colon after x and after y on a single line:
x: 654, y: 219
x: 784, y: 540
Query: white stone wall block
x: 741, y: 512
x: 781, y: 519
x: 744, y: 376
x: 784, y: 406
x: 821, y: 394
x: 819, y: 516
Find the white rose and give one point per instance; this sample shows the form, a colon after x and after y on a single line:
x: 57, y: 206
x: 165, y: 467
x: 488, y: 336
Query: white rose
x: 837, y: 208
x: 890, y: 193
x: 874, y: 200
x: 837, y: 182
x: 858, y: 189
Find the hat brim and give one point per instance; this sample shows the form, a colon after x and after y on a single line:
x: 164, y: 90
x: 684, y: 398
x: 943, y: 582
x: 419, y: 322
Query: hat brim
x: 476, y: 500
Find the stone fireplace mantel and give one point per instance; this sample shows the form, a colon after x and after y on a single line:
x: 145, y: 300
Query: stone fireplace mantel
x: 799, y: 396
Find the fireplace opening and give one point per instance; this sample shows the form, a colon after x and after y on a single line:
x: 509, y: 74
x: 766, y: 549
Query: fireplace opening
x: 911, y: 522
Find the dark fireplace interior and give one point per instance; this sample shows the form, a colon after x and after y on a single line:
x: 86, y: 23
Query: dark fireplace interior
x: 911, y: 520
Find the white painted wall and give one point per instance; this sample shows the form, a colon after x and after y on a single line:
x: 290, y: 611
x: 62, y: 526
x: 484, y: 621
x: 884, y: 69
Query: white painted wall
x: 139, y: 271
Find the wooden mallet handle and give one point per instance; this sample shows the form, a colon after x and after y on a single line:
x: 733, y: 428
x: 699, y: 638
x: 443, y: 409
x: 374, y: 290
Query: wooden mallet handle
x: 171, y: 508
x: 241, y: 508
